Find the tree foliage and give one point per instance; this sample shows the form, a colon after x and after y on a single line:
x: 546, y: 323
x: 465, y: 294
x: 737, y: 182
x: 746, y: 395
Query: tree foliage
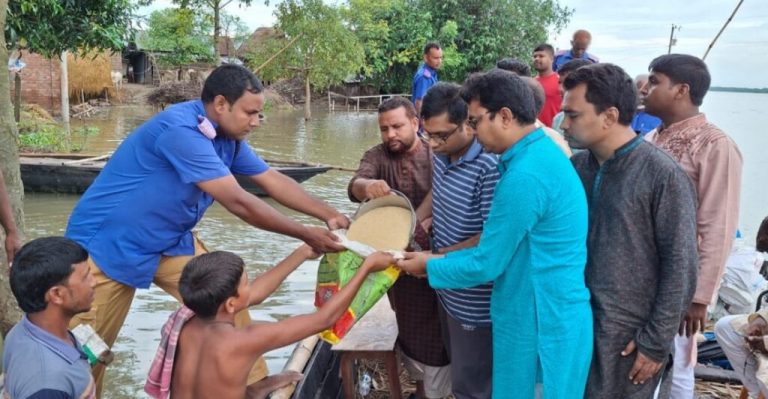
x: 49, y: 27
x: 181, y: 35
x: 474, y: 34
x: 215, y: 10
x: 325, y: 52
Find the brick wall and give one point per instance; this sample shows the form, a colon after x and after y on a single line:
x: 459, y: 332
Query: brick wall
x: 40, y: 82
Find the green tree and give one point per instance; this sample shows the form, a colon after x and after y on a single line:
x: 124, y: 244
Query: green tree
x: 232, y: 26
x: 48, y: 27
x: 489, y: 30
x: 215, y: 8
x: 317, y: 46
x: 474, y: 34
x: 393, y: 36
x: 181, y: 34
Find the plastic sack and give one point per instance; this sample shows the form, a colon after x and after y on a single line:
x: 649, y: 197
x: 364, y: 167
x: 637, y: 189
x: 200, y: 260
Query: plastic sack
x: 334, y: 272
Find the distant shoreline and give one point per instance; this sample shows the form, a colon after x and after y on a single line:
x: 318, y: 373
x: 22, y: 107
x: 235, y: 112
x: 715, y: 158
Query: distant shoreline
x: 764, y: 90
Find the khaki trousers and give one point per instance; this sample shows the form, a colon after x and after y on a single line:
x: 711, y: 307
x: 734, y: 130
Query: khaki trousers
x: 113, y: 300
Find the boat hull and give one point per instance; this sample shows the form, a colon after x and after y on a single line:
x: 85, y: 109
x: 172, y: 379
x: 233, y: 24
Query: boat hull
x: 74, y: 174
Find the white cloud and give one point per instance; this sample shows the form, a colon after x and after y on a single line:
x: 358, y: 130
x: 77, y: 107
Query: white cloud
x: 630, y: 33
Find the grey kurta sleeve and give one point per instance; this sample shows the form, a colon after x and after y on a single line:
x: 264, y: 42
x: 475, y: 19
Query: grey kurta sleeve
x: 674, y: 208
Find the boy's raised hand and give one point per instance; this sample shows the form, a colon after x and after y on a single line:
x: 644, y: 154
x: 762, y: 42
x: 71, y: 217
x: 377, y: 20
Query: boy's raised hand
x: 378, y: 261
x: 308, y: 252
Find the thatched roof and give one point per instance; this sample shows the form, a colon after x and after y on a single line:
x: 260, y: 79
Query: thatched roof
x: 226, y: 46
x: 90, y: 74
x: 257, y: 38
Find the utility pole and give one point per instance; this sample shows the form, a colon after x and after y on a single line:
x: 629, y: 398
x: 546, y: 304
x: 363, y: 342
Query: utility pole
x: 672, y: 40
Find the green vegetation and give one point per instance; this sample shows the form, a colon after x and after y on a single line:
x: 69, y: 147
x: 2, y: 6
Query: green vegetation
x: 181, y: 34
x: 42, y: 135
x: 317, y: 47
x: 392, y: 34
x: 49, y: 27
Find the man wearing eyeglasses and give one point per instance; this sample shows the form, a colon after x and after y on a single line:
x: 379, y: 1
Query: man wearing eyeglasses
x: 403, y: 162
x: 463, y: 182
x: 533, y: 247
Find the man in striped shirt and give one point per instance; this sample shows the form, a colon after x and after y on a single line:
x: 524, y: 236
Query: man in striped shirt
x: 463, y: 180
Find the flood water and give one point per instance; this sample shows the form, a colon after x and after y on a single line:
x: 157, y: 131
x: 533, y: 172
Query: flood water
x: 330, y: 138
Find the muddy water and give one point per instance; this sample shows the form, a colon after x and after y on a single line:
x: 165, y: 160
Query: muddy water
x: 331, y: 138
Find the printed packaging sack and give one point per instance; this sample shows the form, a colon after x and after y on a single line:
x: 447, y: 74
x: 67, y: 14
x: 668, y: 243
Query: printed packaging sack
x: 382, y: 224
x: 335, y: 271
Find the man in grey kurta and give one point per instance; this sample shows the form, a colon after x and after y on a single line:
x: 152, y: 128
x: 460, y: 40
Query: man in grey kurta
x: 641, y: 247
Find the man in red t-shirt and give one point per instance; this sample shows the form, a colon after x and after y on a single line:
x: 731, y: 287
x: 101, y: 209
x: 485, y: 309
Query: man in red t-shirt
x: 543, y: 57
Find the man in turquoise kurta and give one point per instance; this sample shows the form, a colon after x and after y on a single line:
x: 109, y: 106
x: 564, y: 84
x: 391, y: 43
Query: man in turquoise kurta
x: 533, y: 246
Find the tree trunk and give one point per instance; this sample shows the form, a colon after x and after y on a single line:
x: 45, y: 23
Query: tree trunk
x: 216, y: 29
x: 9, y: 164
x: 308, y: 98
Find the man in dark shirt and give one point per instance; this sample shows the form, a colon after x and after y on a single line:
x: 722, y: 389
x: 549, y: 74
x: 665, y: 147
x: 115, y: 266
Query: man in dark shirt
x: 642, y: 250
x: 403, y: 162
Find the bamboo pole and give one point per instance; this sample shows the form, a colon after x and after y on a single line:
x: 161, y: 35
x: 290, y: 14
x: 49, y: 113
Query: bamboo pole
x: 270, y: 59
x: 721, y: 30
x: 297, y: 362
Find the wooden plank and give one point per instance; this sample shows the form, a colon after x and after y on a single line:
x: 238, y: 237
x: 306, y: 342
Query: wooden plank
x: 92, y: 159
x: 375, y: 331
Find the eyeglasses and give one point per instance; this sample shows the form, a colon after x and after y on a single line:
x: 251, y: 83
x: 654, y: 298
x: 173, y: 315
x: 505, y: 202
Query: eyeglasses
x: 443, y: 137
x: 473, y: 122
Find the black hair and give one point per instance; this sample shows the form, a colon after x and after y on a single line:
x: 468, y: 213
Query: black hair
x: 545, y: 47
x: 40, y: 265
x: 430, y: 46
x: 498, y: 89
x: 208, y: 280
x: 607, y: 86
x: 515, y: 66
x: 444, y: 98
x: 687, y: 69
x: 539, y: 97
x: 397, y: 102
x: 761, y: 243
x: 572, y: 65
x: 230, y: 81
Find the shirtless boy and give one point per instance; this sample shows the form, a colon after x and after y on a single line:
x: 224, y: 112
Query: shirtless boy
x: 213, y: 357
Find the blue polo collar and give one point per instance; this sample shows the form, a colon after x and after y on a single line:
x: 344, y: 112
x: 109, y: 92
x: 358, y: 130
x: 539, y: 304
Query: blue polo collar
x: 517, y: 148
x: 474, y: 151
x: 63, y: 349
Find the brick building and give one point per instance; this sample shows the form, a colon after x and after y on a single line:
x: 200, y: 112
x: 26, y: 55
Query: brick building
x: 41, y: 80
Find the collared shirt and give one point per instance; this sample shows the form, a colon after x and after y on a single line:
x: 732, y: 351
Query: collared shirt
x: 424, y: 78
x: 553, y: 99
x: 40, y: 365
x: 643, y: 122
x: 533, y: 247
x: 145, y: 202
x: 409, y: 172
x: 642, y: 195
x: 713, y: 162
x: 462, y: 192
x: 563, y: 56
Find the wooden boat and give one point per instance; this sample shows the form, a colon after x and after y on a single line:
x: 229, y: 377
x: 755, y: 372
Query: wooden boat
x: 73, y: 173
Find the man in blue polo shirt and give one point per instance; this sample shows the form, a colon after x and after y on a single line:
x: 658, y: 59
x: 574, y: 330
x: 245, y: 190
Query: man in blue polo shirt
x: 426, y: 75
x: 136, y: 219
x: 578, y: 51
x: 464, y: 178
x: 51, y: 282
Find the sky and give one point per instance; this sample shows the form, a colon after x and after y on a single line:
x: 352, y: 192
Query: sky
x: 632, y: 33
